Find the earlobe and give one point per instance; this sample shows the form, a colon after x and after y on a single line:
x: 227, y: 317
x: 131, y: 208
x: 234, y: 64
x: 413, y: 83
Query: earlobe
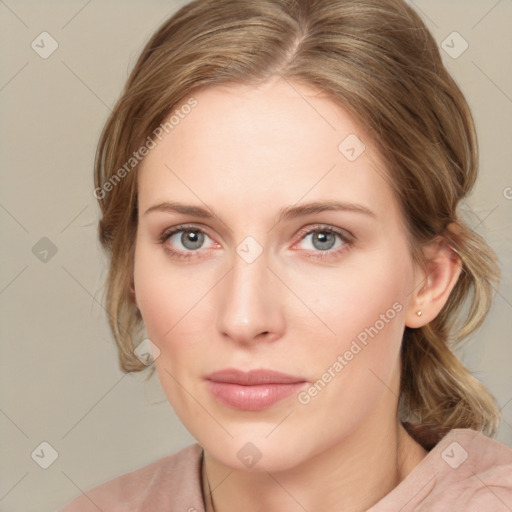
x: 434, y: 284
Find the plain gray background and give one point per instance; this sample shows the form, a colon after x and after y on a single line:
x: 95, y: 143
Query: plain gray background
x: 60, y: 381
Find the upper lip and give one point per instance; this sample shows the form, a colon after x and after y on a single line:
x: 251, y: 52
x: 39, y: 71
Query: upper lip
x: 253, y: 377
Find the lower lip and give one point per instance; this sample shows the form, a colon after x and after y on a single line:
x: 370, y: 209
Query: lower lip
x: 252, y: 398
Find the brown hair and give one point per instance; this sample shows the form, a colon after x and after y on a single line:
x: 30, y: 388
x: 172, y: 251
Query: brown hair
x: 377, y: 59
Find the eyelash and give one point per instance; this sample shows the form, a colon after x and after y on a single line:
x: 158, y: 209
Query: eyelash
x: 346, y: 237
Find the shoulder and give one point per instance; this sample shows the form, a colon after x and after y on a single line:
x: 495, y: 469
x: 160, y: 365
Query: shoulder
x: 465, y: 471
x: 173, y: 481
x: 474, y: 473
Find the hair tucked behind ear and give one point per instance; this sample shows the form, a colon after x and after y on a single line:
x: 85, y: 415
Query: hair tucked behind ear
x: 438, y: 391
x: 378, y: 61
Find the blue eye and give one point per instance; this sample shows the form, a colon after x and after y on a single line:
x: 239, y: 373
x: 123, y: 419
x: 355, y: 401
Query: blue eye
x: 190, y: 238
x: 323, y: 240
x: 326, y: 241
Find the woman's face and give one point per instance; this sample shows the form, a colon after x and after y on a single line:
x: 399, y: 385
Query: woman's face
x: 258, y: 279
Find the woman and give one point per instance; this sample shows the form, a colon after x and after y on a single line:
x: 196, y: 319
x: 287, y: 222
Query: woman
x: 279, y: 186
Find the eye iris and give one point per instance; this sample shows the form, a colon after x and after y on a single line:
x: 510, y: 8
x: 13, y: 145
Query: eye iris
x: 192, y: 239
x: 324, y: 239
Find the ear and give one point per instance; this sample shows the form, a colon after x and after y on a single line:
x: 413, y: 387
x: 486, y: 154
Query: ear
x: 433, y: 283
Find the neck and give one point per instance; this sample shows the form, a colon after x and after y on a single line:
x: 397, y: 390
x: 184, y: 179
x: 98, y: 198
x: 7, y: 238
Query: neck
x: 351, y: 476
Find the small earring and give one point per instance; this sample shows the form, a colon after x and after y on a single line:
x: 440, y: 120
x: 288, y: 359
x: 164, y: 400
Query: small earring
x: 418, y: 313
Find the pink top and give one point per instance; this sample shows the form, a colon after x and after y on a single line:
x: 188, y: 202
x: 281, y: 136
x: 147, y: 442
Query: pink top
x: 465, y: 472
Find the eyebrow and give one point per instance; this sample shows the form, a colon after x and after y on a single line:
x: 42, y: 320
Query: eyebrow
x: 287, y: 213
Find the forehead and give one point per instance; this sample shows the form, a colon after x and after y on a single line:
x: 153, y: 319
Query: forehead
x: 246, y: 147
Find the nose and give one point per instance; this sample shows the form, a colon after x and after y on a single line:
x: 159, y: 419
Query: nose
x: 249, y: 303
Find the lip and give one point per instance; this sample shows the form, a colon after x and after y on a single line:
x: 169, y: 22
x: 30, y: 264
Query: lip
x: 254, y: 390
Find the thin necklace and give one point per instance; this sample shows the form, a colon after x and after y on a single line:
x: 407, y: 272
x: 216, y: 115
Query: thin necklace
x: 208, y: 502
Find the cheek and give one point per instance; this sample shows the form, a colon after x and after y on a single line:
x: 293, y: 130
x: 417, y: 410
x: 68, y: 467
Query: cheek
x: 156, y: 301
x: 356, y: 369
x: 362, y: 308
x: 169, y: 300
x: 173, y: 302
x: 352, y: 297
x: 164, y: 293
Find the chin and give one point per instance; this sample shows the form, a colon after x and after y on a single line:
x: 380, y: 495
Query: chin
x: 255, y: 458
x: 252, y: 451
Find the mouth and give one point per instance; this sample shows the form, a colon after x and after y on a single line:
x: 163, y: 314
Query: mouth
x: 254, y: 390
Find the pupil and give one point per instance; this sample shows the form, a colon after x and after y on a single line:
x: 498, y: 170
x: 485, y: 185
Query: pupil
x: 325, y: 240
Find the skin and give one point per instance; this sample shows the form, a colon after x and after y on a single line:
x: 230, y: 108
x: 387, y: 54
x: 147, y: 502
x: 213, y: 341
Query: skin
x: 245, y: 153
